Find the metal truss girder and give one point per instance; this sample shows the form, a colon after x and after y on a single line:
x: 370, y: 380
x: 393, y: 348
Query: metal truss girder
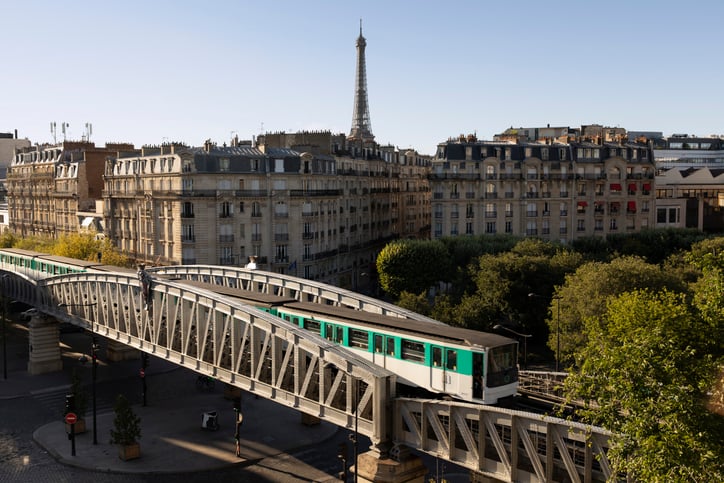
x: 503, y: 444
x: 223, y: 338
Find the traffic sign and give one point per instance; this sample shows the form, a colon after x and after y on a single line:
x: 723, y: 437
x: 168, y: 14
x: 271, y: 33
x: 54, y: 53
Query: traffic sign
x: 143, y: 373
x: 71, y: 418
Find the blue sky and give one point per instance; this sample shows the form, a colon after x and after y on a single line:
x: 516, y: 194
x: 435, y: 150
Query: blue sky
x: 150, y: 71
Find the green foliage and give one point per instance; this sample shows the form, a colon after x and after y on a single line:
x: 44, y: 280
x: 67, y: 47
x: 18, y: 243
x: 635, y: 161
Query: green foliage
x: 82, y: 246
x: 648, y: 368
x: 415, y: 303
x: 8, y: 239
x: 412, y: 266
x: 504, y: 281
x: 126, y: 424
x: 707, y: 253
x: 585, y: 294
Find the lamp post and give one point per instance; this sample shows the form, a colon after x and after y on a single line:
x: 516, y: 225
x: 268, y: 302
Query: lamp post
x: 525, y: 341
x: 557, y: 298
x: 94, y: 360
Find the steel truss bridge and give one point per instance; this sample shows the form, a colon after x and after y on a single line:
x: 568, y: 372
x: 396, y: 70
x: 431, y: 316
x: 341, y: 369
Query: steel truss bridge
x: 272, y: 358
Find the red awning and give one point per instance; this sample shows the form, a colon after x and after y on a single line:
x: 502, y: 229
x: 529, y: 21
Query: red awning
x: 583, y: 203
x: 615, y: 205
x: 646, y: 187
x: 615, y: 187
x: 631, y: 206
x: 632, y: 186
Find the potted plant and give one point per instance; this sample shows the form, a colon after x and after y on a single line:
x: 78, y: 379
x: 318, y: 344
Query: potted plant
x: 80, y: 403
x: 126, y: 429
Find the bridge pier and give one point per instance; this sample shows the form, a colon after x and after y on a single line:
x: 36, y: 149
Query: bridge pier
x: 44, y: 341
x: 115, y: 351
x: 373, y: 468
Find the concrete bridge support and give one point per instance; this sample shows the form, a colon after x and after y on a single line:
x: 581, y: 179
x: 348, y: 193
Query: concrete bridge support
x: 44, y: 350
x: 116, y: 352
x: 373, y: 468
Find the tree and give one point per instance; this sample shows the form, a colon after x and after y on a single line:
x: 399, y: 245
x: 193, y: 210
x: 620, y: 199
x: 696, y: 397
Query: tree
x: 585, y: 294
x: 412, y: 265
x: 647, y: 368
x: 126, y: 424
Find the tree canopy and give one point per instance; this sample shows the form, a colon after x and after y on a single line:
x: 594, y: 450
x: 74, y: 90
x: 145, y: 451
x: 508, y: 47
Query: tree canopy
x: 647, y: 366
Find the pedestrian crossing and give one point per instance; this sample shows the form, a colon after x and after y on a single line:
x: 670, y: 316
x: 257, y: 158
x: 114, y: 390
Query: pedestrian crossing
x: 53, y: 399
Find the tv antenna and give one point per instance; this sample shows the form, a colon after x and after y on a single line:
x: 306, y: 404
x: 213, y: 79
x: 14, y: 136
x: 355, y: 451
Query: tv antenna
x: 88, y: 131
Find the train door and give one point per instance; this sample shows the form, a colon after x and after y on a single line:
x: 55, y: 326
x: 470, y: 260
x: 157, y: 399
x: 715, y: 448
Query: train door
x: 478, y: 371
x: 437, y: 368
x: 378, y: 349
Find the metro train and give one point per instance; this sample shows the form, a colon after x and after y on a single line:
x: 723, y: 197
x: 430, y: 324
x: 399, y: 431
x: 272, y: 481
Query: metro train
x: 463, y: 364
x: 449, y: 361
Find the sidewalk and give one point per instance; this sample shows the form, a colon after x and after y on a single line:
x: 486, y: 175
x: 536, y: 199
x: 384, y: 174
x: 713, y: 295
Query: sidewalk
x: 173, y: 441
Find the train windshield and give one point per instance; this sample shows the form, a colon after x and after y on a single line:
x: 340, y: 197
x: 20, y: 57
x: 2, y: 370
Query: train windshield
x: 502, y: 367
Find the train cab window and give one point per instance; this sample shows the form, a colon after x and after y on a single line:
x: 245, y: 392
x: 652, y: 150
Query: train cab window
x: 390, y: 346
x: 436, y: 357
x: 413, y: 351
x: 452, y: 360
x: 312, y: 326
x: 378, y: 343
x: 359, y: 339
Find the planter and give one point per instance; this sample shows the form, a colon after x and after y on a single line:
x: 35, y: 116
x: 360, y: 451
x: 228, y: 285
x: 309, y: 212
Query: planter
x: 129, y: 451
x: 80, y: 427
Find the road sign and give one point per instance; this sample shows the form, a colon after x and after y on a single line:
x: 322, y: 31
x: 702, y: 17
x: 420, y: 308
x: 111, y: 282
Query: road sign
x: 71, y: 418
x: 143, y: 373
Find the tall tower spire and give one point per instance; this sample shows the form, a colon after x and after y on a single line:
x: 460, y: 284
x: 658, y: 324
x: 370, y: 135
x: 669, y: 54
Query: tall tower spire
x: 361, y: 124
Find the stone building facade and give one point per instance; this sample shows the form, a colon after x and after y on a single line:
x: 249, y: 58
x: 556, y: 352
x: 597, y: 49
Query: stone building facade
x: 554, y: 191
x: 322, y: 213
x: 47, y: 186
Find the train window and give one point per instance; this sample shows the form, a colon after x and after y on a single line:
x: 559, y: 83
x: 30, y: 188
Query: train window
x: 358, y: 338
x: 312, y: 326
x: 378, y: 343
x: 329, y: 331
x: 436, y: 357
x: 339, y: 335
x: 413, y: 351
x: 390, y: 346
x: 452, y: 360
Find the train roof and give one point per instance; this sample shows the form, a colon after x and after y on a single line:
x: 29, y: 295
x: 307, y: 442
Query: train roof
x: 23, y: 252
x: 410, y: 326
x: 66, y: 260
x: 248, y: 296
x: 360, y: 317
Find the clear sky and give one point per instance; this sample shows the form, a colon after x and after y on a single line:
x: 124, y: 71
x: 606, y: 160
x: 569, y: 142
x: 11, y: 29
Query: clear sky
x: 153, y: 71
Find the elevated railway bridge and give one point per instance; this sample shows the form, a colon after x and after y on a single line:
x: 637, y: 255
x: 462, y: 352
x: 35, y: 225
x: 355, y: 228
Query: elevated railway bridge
x: 250, y: 349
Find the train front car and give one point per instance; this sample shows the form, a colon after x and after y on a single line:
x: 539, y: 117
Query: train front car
x: 501, y: 372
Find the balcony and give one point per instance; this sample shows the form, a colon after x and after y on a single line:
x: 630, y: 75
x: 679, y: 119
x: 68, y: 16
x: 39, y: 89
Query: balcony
x: 281, y: 237
x: 187, y: 215
x: 531, y: 213
x: 188, y: 261
x: 256, y: 237
x: 226, y: 261
x: 226, y: 238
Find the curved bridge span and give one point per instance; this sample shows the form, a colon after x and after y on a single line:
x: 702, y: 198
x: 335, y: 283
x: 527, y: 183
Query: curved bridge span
x: 258, y: 352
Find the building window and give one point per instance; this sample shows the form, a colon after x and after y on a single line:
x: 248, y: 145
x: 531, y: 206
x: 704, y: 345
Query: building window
x: 490, y: 227
x: 468, y: 228
x: 225, y: 210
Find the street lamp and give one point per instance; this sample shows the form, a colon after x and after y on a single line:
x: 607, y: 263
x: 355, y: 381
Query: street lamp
x: 94, y: 359
x: 525, y: 341
x: 557, y: 298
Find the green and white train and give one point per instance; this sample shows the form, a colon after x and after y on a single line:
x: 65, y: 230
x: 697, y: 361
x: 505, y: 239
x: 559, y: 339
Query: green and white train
x: 463, y: 364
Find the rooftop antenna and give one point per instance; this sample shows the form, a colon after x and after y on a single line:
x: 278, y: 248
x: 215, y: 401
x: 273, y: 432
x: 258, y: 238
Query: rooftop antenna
x: 64, y: 126
x: 54, y: 131
x: 88, y: 131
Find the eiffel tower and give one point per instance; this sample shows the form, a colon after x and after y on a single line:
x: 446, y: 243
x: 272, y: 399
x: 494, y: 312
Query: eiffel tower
x: 361, y: 124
